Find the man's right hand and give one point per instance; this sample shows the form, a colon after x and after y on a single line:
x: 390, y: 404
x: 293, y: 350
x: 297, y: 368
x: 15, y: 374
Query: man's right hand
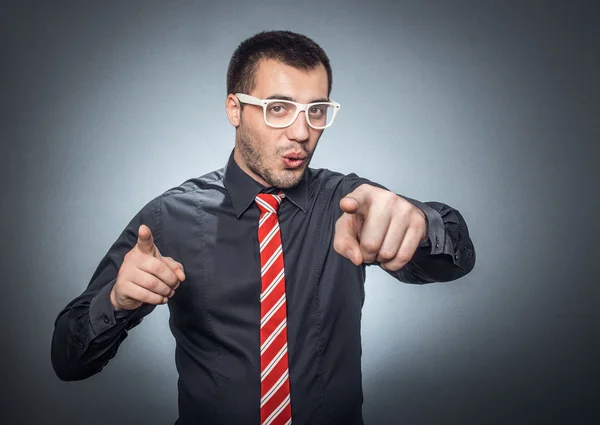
x: 145, y: 275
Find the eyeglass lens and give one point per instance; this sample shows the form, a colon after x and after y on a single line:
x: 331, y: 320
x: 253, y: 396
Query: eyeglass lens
x: 282, y: 113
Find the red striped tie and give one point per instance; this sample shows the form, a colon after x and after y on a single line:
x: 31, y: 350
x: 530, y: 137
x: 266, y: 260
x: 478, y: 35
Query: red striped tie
x: 275, y: 408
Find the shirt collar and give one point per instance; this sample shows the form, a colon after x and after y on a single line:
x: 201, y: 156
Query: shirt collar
x: 243, y: 189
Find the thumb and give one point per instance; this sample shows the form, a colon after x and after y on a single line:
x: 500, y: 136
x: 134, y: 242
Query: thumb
x: 349, y: 205
x: 356, y: 202
x: 145, y: 242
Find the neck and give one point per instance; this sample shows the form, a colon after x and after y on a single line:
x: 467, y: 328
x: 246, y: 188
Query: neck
x: 239, y: 160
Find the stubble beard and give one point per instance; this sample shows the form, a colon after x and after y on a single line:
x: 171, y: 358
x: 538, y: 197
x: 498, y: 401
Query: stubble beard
x: 254, y: 159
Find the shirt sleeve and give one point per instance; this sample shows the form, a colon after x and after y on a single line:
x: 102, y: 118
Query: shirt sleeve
x: 448, y: 252
x: 88, y: 331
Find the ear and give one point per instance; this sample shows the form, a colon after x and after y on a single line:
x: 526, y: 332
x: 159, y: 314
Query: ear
x: 233, y: 109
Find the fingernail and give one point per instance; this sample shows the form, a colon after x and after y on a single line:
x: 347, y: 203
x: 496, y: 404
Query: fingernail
x: 172, y: 293
x: 177, y: 285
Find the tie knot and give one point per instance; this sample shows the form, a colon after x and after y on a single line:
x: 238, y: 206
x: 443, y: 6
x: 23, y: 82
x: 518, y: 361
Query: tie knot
x: 269, y: 202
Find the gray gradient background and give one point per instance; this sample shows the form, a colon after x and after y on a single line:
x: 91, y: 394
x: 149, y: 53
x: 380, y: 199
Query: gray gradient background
x: 491, y: 107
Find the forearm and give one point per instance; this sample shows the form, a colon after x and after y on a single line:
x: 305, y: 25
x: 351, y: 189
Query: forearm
x: 88, y: 334
x: 88, y: 331
x: 447, y: 254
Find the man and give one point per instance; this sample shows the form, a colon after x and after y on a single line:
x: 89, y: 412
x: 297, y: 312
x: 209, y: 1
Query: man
x: 262, y: 263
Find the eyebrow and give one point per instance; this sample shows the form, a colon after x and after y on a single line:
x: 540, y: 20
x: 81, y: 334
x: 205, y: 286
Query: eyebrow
x: 291, y: 99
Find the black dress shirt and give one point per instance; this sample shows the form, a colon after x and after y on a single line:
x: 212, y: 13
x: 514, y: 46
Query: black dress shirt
x: 209, y: 224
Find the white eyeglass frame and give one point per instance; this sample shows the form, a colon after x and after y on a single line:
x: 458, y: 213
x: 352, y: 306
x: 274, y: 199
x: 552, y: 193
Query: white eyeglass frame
x: 251, y: 100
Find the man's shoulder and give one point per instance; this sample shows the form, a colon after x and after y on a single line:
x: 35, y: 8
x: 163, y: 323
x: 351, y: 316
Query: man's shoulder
x: 209, y: 181
x: 194, y: 186
x: 324, y: 175
x: 328, y: 179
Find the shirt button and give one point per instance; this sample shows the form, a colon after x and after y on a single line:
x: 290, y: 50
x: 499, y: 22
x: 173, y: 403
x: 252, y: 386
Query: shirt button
x: 105, y: 318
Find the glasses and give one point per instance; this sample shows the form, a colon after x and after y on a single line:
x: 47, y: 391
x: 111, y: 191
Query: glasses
x: 282, y: 113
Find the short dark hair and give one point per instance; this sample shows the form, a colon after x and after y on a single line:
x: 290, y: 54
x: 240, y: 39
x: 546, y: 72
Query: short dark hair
x: 290, y: 48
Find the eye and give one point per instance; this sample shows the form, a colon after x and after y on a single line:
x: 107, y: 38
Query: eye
x: 278, y: 108
x: 316, y: 110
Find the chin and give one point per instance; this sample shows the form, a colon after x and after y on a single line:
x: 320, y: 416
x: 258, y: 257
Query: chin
x: 287, y: 178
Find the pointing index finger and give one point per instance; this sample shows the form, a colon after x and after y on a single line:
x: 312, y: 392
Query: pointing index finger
x: 145, y: 242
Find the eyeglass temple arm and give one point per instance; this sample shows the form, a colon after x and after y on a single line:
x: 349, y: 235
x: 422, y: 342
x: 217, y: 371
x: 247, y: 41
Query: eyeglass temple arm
x: 248, y: 99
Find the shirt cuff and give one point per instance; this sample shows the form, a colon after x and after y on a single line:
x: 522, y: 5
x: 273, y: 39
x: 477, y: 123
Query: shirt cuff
x: 436, y: 233
x: 102, y: 313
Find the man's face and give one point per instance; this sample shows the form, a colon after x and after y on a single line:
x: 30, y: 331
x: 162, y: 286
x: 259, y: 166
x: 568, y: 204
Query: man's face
x: 264, y: 152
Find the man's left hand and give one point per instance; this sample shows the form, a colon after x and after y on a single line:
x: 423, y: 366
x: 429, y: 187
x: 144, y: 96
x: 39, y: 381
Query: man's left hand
x: 377, y: 224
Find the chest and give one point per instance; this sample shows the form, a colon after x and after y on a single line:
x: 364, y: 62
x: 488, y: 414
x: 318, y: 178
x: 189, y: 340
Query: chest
x: 221, y: 257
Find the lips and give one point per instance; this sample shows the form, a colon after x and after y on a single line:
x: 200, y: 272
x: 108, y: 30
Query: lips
x: 298, y: 156
x: 293, y: 163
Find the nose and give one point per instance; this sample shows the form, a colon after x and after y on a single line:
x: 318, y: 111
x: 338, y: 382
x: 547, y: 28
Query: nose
x: 298, y: 130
